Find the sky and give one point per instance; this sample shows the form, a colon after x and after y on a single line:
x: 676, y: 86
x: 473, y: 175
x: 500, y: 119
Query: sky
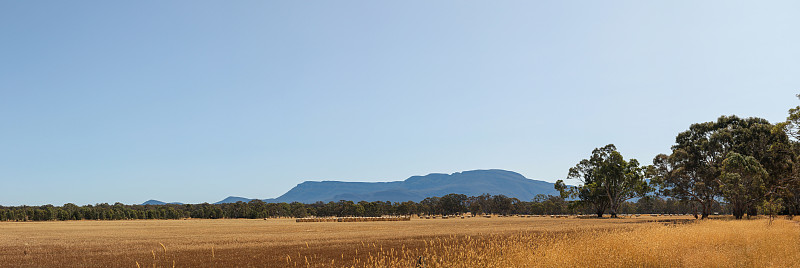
x: 194, y: 101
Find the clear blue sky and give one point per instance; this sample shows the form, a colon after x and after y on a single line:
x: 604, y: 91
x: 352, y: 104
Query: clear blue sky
x: 192, y: 101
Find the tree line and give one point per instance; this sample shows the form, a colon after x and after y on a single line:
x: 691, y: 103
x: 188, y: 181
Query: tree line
x: 748, y: 164
x: 451, y: 204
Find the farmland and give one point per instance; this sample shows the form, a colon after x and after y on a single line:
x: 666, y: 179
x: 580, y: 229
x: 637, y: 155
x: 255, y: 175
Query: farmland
x: 508, y: 241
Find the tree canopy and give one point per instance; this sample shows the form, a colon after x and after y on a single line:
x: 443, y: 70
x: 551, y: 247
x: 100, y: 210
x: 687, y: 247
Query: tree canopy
x: 605, y: 180
x: 745, y: 161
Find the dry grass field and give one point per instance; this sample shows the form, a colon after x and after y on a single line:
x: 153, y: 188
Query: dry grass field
x: 471, y: 242
x: 709, y: 243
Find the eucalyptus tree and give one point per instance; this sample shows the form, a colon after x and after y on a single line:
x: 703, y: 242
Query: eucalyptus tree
x: 453, y: 203
x: 692, y: 171
x: 742, y: 182
x: 788, y: 186
x: 606, y: 180
x: 792, y: 124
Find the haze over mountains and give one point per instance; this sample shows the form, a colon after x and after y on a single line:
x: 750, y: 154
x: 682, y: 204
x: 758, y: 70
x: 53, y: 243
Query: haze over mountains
x: 416, y: 188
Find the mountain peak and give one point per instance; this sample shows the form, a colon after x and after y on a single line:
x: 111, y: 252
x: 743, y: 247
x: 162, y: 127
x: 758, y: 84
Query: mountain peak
x: 153, y: 202
x: 233, y: 199
x: 156, y: 202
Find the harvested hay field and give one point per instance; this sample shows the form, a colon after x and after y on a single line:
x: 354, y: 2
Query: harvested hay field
x: 353, y: 219
x: 453, y: 242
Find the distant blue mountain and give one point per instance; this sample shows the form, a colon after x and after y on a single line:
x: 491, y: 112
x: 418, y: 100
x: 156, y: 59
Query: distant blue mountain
x: 417, y: 188
x: 234, y: 199
x: 156, y: 202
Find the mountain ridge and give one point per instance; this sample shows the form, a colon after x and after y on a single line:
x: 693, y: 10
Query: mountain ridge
x: 414, y: 188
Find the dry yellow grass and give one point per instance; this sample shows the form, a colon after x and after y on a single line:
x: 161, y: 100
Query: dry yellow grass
x: 709, y: 243
x: 471, y: 242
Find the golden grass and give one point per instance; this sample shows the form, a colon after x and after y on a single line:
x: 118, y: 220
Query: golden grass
x: 470, y: 242
x: 353, y: 219
x: 709, y: 243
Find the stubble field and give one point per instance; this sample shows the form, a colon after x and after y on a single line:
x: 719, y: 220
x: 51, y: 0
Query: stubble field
x: 472, y: 242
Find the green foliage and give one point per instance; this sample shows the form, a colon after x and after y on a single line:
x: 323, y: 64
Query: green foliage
x: 771, y: 207
x: 606, y: 180
x: 693, y: 170
x: 454, y: 204
x: 792, y: 124
x: 742, y: 182
x: 449, y: 204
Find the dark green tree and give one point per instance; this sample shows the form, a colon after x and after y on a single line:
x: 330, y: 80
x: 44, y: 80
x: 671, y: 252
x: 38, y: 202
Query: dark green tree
x: 742, y: 182
x: 453, y: 203
x: 692, y: 171
x: 606, y: 180
x: 787, y: 188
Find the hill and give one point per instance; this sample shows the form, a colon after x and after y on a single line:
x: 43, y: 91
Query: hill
x: 417, y: 188
x: 156, y: 202
x: 233, y: 199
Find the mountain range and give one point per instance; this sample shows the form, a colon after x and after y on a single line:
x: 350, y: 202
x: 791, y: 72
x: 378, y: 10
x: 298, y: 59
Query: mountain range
x: 416, y: 188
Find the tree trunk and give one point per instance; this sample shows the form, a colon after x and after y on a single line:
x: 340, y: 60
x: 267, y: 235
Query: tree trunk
x: 738, y: 210
x: 706, y: 209
x: 613, y: 211
x: 738, y: 213
x: 613, y: 206
x: 752, y: 211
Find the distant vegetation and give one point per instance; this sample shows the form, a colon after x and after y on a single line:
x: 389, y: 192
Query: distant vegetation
x: 445, y: 205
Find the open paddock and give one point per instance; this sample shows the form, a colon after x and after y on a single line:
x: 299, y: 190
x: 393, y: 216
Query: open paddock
x: 273, y: 242
x: 352, y: 219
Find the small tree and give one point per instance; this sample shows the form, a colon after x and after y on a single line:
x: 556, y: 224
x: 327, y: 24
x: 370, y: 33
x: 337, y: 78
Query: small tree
x: 771, y: 207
